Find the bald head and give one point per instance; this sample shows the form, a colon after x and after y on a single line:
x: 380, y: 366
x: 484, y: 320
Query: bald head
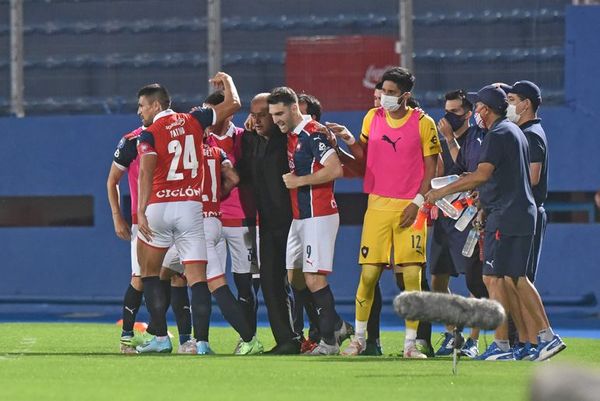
x: 259, y: 110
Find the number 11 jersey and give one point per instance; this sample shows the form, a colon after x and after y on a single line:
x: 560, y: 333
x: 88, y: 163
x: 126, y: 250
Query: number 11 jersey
x: 176, y: 139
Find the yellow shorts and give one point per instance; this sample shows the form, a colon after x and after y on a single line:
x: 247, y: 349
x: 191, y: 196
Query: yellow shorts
x: 382, y: 235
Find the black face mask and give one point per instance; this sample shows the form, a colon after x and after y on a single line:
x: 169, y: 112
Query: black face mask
x: 455, y: 120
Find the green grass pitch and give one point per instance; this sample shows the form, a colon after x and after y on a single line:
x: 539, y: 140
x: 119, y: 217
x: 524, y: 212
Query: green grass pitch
x: 80, y: 362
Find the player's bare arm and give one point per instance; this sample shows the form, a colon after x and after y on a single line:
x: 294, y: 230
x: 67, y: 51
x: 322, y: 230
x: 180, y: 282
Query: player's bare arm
x: 409, y: 214
x: 464, y: 183
x: 122, y: 228
x: 147, y: 167
x: 332, y: 169
x: 232, y: 102
x: 229, y: 178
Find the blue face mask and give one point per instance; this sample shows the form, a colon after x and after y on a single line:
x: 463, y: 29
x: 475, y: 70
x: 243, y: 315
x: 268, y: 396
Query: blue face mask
x: 455, y: 120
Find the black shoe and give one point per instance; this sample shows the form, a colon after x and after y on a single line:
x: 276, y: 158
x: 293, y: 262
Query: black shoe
x: 291, y: 347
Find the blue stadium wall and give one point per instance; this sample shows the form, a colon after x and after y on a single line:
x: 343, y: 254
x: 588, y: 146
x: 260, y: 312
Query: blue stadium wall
x: 51, y: 156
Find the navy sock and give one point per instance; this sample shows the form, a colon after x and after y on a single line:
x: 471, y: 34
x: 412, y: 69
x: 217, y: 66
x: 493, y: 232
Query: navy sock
x: 325, y: 307
x: 233, y: 312
x: 201, y: 310
x: 180, y: 303
x: 131, y: 305
x: 156, y: 303
x: 246, y: 297
x: 166, y: 287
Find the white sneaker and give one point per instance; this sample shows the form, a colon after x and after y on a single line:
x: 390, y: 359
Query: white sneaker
x: 188, y: 347
x: 325, y: 349
x: 356, y: 347
x: 413, y: 353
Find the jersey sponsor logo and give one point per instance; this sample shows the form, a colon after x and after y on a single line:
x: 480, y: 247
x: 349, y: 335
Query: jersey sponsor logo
x: 480, y: 141
x: 180, y: 122
x: 490, y: 262
x: 206, y: 214
x: 387, y: 139
x: 179, y: 193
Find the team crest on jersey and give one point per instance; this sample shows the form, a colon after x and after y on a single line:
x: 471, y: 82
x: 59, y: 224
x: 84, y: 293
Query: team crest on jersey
x: 364, y: 251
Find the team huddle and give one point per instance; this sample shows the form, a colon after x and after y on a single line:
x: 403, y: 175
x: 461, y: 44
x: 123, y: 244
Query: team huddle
x: 202, y: 188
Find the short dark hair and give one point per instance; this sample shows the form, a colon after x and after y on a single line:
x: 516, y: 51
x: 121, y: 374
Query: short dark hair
x: 215, y: 98
x: 401, y: 77
x: 284, y: 95
x: 313, y: 106
x: 461, y: 95
x: 156, y: 92
x: 379, y: 85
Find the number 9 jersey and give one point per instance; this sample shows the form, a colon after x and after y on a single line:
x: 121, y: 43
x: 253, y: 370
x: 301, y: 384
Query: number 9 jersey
x: 176, y: 139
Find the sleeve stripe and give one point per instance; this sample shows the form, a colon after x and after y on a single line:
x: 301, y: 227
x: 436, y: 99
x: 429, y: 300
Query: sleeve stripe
x: 326, y: 155
x: 120, y: 167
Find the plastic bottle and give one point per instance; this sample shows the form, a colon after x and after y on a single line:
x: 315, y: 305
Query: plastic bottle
x: 471, y: 242
x: 447, y: 208
x: 422, y: 216
x: 467, y: 216
x: 440, y: 182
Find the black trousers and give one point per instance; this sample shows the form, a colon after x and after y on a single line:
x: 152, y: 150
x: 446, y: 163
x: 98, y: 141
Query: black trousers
x: 274, y: 282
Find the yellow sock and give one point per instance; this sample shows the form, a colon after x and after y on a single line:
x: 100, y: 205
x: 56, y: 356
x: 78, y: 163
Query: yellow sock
x: 412, y: 282
x: 369, y: 276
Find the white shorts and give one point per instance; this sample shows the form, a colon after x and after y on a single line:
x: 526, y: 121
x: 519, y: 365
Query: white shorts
x: 215, y: 247
x: 135, y: 266
x: 241, y: 242
x: 311, y: 244
x: 172, y: 262
x: 179, y: 224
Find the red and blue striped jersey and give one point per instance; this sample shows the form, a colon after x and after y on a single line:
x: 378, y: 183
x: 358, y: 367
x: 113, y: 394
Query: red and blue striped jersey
x: 307, y: 149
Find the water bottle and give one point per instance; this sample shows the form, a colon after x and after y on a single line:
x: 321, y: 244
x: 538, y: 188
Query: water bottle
x: 466, y: 218
x: 440, y: 182
x: 422, y: 216
x: 470, y: 243
x: 447, y: 208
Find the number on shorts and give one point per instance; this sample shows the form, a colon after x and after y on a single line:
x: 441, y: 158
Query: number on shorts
x: 308, y: 251
x: 416, y: 241
x: 190, y: 161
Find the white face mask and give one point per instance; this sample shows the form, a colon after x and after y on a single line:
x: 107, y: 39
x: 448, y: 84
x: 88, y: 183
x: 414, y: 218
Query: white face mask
x: 390, y: 103
x: 479, y: 120
x: 511, y: 113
